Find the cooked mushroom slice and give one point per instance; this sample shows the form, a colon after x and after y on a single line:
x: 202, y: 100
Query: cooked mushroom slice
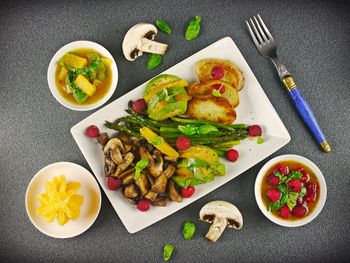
x: 173, y: 194
x: 139, y: 39
x: 128, y: 158
x: 143, y: 184
x: 126, y: 173
x: 109, y: 167
x: 151, y: 179
x: 220, y: 214
x: 128, y: 179
x: 169, y: 171
x: 170, y: 159
x: 127, y: 143
x: 113, y: 148
x: 103, y: 138
x: 131, y: 191
x: 160, y: 201
x: 156, y: 165
x: 151, y: 195
x: 160, y: 184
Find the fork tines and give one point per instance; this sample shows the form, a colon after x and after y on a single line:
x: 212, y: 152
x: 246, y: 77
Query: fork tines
x: 258, y: 30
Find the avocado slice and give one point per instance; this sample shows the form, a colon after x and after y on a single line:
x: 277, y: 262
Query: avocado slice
x: 164, y: 110
x: 159, y: 80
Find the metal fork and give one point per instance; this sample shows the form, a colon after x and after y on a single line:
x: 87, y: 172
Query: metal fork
x: 267, y: 47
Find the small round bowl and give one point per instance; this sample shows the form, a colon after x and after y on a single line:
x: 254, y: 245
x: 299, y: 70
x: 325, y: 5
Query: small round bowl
x: 319, y: 205
x: 52, y: 70
x: 88, y: 211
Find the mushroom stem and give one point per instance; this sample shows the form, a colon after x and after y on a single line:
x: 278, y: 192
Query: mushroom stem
x: 152, y: 46
x: 218, y: 226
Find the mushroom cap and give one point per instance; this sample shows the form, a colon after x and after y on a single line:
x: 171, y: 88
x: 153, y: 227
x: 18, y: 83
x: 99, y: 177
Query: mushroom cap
x: 133, y: 38
x: 222, y: 209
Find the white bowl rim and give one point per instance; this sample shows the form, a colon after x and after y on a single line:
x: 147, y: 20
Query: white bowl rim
x: 319, y: 175
x: 83, y: 229
x: 52, y: 69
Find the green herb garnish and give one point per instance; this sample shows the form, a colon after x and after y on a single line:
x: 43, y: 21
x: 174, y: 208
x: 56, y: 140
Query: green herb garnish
x: 216, y: 93
x: 163, y: 26
x: 154, y: 60
x: 260, y: 140
x: 193, y: 28
x: 167, y: 251
x: 140, y: 165
x: 188, y: 230
x: 157, y: 140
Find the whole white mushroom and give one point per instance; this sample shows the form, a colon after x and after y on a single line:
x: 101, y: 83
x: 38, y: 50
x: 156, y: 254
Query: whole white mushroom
x: 139, y: 39
x: 220, y: 214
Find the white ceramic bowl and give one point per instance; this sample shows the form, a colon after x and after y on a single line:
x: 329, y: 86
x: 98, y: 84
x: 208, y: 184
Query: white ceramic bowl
x: 89, y: 190
x: 322, y: 190
x: 52, y: 69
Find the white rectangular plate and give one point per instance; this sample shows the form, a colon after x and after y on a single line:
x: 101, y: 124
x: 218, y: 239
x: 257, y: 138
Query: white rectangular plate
x: 254, y: 108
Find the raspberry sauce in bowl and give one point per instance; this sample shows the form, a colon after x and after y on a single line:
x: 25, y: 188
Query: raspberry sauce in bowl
x: 290, y: 190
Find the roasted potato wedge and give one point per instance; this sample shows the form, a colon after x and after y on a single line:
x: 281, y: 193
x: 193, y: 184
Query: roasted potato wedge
x: 205, y: 88
x: 233, y: 74
x: 211, y: 108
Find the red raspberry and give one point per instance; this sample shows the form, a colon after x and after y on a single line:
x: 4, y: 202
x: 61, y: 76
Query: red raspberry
x: 284, y: 211
x: 143, y: 205
x: 92, y: 131
x: 254, y: 130
x: 139, y: 105
x: 183, y: 143
x: 311, y: 197
x: 188, y: 192
x: 295, y: 185
x: 113, y: 183
x: 306, y: 177
x: 217, y: 72
x: 232, y: 155
x: 283, y: 169
x: 299, y: 210
x: 219, y: 87
x: 273, y: 194
x: 273, y: 180
x: 311, y: 187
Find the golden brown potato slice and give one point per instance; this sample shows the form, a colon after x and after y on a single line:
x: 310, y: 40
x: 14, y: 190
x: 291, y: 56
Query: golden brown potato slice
x: 232, y: 74
x: 211, y: 108
x: 205, y: 88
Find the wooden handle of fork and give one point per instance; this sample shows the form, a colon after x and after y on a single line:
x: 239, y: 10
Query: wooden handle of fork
x: 306, y: 113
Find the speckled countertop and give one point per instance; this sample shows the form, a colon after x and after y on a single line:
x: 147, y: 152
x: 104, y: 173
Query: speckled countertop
x: 314, y: 39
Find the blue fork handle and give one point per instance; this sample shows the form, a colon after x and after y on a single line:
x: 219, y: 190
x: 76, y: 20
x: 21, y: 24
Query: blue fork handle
x: 306, y: 113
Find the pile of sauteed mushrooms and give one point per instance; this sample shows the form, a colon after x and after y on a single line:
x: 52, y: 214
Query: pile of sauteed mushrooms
x: 122, y: 153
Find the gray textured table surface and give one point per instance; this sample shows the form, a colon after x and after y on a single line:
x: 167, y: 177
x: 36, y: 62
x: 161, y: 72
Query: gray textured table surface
x: 314, y: 44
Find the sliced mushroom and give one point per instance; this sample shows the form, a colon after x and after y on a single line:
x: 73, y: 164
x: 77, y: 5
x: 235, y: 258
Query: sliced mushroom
x: 113, y: 148
x: 160, y: 184
x: 127, y: 143
x: 126, y: 173
x: 173, y: 194
x: 139, y: 39
x: 220, y: 214
x: 156, y: 165
x: 109, y: 167
x: 128, y: 179
x: 170, y: 159
x: 131, y: 191
x: 151, y: 195
x: 128, y: 159
x: 169, y: 171
x: 160, y: 201
x: 103, y: 138
x: 143, y: 184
